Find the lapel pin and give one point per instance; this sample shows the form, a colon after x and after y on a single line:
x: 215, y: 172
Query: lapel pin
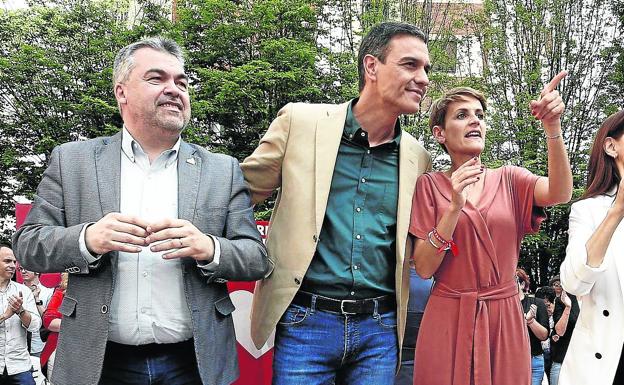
x: 190, y: 161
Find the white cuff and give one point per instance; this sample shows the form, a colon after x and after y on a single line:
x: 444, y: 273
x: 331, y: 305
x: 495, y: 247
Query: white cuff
x: 86, y: 254
x: 209, y: 268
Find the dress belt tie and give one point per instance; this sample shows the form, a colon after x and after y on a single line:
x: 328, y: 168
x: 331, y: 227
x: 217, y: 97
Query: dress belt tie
x: 472, y: 349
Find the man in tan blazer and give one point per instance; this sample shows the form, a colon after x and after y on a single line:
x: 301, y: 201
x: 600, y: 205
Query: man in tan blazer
x: 345, y: 173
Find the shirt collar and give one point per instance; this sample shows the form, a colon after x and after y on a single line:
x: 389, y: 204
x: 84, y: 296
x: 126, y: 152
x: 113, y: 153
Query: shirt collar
x: 352, y: 126
x: 134, y: 151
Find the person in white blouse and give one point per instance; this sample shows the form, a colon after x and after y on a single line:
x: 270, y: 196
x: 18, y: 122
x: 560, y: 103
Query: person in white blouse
x: 593, y: 269
x: 19, y: 315
x: 42, y: 295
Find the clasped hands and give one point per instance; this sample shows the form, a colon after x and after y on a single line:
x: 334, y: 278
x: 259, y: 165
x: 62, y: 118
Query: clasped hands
x: 15, y: 305
x: 128, y: 233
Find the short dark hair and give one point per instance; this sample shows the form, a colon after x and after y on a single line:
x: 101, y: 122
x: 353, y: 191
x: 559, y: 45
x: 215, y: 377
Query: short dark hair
x: 554, y: 279
x: 376, y: 42
x: 5, y: 244
x: 546, y: 292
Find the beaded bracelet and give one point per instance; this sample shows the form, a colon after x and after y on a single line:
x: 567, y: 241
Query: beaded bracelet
x: 444, y: 244
x: 552, y: 137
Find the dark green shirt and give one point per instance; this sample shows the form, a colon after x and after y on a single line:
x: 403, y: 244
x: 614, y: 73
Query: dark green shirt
x: 355, y: 256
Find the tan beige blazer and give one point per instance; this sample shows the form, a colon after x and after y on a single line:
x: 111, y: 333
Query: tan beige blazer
x: 297, y: 155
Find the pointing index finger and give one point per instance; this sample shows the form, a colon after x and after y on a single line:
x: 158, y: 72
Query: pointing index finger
x: 555, y: 81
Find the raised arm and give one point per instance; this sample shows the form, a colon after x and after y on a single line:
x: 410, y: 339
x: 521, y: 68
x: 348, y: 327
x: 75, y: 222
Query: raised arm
x: 427, y: 257
x: 557, y: 187
x: 588, y: 242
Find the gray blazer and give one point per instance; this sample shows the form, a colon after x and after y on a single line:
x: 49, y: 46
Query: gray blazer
x: 81, y: 185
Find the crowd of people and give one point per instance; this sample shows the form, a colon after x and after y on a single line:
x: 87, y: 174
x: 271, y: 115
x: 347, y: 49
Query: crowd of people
x: 373, y: 262
x: 30, y: 321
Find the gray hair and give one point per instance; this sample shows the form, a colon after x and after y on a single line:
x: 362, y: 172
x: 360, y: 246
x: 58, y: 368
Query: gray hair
x: 376, y: 42
x: 124, y: 61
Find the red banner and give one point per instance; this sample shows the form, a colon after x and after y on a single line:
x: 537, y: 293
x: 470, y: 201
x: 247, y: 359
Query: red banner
x: 47, y: 279
x: 255, y: 365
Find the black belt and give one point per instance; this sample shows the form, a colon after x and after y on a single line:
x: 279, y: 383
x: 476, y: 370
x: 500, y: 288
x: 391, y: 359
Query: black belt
x: 384, y: 303
x: 149, y: 349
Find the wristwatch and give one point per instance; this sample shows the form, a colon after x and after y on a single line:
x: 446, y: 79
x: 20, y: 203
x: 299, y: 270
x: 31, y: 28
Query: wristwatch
x: 19, y: 313
x: 39, y: 303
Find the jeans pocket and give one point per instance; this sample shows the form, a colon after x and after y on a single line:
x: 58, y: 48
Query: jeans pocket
x: 387, y: 320
x: 294, y: 315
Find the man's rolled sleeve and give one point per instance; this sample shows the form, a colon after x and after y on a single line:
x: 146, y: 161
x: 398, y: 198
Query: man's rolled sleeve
x: 30, y: 306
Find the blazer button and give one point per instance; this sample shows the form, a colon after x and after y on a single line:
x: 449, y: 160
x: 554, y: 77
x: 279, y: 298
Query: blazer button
x: 297, y: 281
x: 315, y: 238
x: 605, y: 313
x: 104, y: 309
x: 598, y: 355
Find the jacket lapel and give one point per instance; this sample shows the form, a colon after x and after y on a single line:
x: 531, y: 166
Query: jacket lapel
x: 108, y: 169
x: 409, y: 167
x: 329, y: 130
x: 189, y: 172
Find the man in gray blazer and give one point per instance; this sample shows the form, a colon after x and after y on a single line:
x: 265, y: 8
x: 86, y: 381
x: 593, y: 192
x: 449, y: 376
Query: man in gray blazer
x: 149, y: 228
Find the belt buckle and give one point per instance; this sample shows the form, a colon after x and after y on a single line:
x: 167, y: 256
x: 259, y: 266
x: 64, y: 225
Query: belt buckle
x: 342, y: 310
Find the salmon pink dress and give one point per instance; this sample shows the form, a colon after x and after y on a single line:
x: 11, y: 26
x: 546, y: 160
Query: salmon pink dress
x: 473, y: 331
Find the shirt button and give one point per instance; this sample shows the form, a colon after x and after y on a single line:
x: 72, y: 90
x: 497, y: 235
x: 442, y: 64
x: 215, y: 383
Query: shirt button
x: 355, y: 267
x: 143, y: 310
x: 358, y: 209
x: 358, y: 236
x: 598, y: 355
x: 368, y: 151
x: 104, y: 309
x: 352, y: 293
x: 605, y: 313
x: 363, y: 134
x: 145, y: 274
x: 363, y: 180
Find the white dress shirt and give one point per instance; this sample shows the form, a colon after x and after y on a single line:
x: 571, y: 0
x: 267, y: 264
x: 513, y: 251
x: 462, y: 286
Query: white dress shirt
x: 14, y: 354
x: 45, y: 293
x: 149, y: 304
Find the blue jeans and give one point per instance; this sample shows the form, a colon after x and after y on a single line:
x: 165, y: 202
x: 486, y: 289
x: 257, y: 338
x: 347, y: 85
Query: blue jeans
x: 554, y: 373
x: 405, y: 376
x: 314, y: 347
x: 537, y: 369
x: 167, y: 364
x: 23, y: 378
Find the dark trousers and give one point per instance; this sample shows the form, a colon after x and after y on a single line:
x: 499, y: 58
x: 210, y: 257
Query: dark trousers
x: 151, y: 364
x: 619, y: 374
x: 547, y: 364
x: 23, y: 378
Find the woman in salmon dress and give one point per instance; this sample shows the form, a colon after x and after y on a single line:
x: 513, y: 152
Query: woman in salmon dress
x: 466, y: 227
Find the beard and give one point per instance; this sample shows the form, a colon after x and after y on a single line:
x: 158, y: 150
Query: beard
x: 168, y: 121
